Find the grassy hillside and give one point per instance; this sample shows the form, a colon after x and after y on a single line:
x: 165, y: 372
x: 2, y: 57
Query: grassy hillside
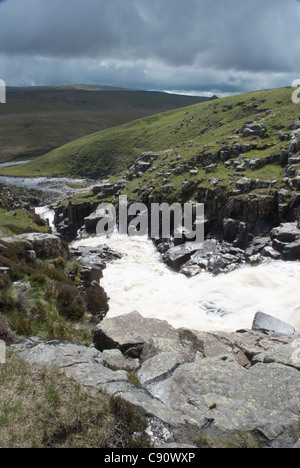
x: 36, y: 120
x: 188, y: 132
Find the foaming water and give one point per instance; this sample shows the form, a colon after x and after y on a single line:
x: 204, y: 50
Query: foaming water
x: 140, y: 281
x: 47, y: 214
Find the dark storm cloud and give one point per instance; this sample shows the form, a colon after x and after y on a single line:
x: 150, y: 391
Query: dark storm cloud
x: 225, y: 45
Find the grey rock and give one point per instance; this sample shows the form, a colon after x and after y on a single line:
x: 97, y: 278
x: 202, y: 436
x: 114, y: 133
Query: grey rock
x: 254, y: 129
x: 214, y: 383
x: 244, y: 184
x: 97, y: 257
x: 186, y: 348
x: 194, y: 172
x: 28, y: 343
x: 208, y: 343
x: 114, y: 359
x: 88, y: 274
x: 297, y: 446
x: 151, y: 406
x: 130, y: 331
x: 202, y: 377
x: 241, y: 167
x: 176, y: 256
x: 255, y: 164
x: 44, y: 245
x: 142, y: 166
x: 167, y: 189
x: 210, y: 168
x: 288, y: 355
x: 2, y: 352
x: 286, y: 232
x: 159, y: 367
x: 83, y: 364
x: 273, y: 391
x: 292, y: 251
x: 271, y: 325
x: 108, y: 189
x: 91, y: 222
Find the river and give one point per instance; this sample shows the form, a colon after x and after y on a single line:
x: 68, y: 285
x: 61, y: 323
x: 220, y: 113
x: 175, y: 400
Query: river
x: 140, y: 281
x: 53, y: 189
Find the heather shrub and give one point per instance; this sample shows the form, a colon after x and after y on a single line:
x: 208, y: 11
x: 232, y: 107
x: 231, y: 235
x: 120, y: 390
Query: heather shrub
x: 6, y: 334
x: 97, y: 301
x: 70, y: 302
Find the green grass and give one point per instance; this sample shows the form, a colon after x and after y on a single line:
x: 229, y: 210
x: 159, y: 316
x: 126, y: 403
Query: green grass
x: 38, y: 119
x: 19, y: 222
x: 195, y: 127
x: 41, y: 408
x: 190, y: 133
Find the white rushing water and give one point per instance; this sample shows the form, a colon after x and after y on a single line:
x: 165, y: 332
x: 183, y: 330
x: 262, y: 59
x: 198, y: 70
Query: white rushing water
x: 47, y: 214
x: 140, y: 281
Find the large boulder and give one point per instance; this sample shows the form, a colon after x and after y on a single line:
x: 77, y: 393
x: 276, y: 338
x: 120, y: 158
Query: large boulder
x: 130, y: 332
x: 44, y: 245
x: 176, y: 256
x: 267, y: 324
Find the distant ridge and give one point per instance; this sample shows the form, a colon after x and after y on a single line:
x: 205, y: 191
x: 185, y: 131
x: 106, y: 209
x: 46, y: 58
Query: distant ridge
x: 38, y: 119
x: 208, y: 138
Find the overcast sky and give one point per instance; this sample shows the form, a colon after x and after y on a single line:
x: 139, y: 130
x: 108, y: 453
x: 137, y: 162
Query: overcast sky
x: 216, y: 46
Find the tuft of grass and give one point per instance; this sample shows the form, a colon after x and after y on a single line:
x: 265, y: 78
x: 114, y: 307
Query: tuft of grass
x: 41, y: 408
x: 236, y: 440
x: 20, y: 222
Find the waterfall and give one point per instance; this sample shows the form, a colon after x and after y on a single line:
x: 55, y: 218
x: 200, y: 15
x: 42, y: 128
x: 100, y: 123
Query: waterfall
x: 140, y: 281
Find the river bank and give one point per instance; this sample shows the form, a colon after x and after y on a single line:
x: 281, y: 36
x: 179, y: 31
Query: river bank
x: 180, y: 359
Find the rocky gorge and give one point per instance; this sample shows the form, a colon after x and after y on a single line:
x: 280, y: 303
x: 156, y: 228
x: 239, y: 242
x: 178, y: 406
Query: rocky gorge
x: 194, y: 388
x: 197, y: 383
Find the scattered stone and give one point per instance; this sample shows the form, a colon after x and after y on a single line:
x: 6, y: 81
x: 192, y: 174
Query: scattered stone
x: 254, y: 130
x: 167, y: 189
x: 271, y: 325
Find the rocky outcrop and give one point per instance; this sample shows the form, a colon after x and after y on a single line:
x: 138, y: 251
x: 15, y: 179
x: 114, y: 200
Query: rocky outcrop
x: 282, y: 244
x: 192, y: 386
x: 69, y: 219
x: 44, y: 245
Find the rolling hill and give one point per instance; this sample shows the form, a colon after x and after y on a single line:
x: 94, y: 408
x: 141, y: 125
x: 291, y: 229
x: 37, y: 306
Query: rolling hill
x: 35, y: 120
x: 192, y: 133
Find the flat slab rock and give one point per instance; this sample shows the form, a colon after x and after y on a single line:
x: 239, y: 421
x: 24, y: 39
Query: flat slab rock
x: 130, y: 331
x: 190, y: 382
